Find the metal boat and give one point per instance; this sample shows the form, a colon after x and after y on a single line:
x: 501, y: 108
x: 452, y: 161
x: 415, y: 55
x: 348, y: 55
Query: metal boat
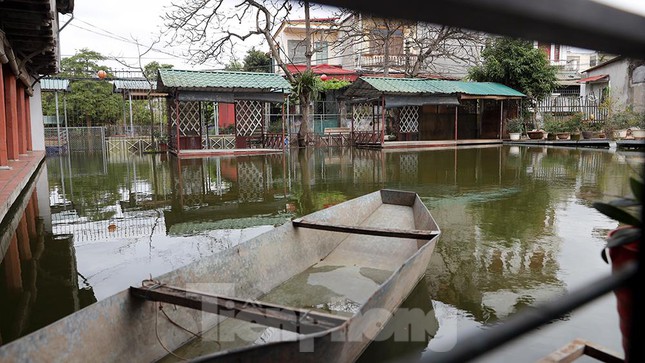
x: 318, y: 288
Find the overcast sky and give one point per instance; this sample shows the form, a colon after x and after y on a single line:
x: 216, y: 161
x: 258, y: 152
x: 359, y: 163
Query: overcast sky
x: 109, y: 28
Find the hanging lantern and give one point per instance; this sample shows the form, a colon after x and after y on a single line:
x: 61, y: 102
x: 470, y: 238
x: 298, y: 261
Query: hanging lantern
x: 323, y: 77
x: 101, y: 74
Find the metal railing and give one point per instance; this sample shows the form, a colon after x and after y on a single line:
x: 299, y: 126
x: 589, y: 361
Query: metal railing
x: 563, y: 106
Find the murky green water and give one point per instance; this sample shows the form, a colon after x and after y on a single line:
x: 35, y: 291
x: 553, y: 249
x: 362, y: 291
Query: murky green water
x: 518, y: 227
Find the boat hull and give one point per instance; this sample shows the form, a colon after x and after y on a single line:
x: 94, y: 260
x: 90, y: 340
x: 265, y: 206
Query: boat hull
x: 125, y: 326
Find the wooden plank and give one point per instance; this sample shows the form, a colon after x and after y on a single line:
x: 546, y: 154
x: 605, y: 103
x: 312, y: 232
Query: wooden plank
x: 579, y: 347
x: 601, y: 353
x: 370, y: 231
x: 272, y: 315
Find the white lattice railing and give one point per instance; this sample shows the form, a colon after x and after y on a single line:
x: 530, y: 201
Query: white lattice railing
x: 219, y: 142
x: 248, y: 117
x: 409, y: 117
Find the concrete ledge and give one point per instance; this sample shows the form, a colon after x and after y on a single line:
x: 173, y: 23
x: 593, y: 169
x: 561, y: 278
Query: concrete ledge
x: 438, y: 143
x: 14, y: 180
x: 185, y: 154
x: 598, y: 143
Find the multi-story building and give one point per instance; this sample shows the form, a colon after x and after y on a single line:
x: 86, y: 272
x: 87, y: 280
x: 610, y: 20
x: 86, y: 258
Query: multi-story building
x: 371, y: 45
x: 570, y: 63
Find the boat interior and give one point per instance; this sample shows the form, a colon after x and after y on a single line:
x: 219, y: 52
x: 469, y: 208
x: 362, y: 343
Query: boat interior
x: 366, y: 242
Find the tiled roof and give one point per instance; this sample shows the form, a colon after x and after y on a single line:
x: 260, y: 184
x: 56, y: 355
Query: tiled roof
x: 54, y: 85
x: 132, y: 85
x: 204, y: 80
x: 431, y: 86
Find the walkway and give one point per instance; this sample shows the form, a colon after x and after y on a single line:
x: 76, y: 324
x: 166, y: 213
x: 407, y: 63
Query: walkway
x: 14, y: 180
x: 185, y: 154
x: 438, y: 143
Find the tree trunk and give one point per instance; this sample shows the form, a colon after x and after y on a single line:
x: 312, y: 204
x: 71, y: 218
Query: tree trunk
x: 386, y: 56
x: 305, y: 96
x: 304, y: 124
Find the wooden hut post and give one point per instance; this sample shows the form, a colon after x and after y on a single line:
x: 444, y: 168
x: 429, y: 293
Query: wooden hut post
x: 456, y: 118
x: 501, y: 117
x: 284, y: 145
x: 382, y: 120
x: 177, y: 147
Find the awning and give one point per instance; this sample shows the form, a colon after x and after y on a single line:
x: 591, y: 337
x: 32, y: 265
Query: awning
x: 224, y: 97
x: 399, y: 101
x: 600, y: 77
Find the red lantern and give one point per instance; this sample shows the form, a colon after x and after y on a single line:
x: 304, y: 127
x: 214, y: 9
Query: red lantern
x: 102, y: 74
x: 323, y: 77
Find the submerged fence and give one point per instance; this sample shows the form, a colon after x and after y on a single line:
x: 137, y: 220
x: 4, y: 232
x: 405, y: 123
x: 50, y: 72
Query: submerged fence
x: 74, y: 139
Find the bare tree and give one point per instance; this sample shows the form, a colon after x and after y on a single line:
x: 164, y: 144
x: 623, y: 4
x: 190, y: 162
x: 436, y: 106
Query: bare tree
x: 437, y: 48
x: 211, y: 32
x: 410, y: 47
x: 380, y: 41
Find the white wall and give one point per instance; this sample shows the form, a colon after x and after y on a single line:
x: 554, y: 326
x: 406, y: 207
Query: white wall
x: 37, y: 123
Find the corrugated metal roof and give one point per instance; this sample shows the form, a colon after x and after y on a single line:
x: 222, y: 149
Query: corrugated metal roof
x: 194, y: 80
x: 431, y: 86
x: 54, y: 84
x: 599, y: 77
x: 132, y: 85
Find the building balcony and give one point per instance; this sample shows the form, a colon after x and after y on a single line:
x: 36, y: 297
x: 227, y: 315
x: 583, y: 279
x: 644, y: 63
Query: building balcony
x: 378, y: 60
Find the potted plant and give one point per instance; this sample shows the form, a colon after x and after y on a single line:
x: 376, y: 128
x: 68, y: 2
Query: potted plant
x: 593, y: 129
x: 623, y: 245
x: 553, y: 127
x: 515, y: 127
x: 573, y: 125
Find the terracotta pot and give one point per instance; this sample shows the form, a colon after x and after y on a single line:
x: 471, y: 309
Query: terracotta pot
x: 563, y: 135
x: 619, y: 257
x: 535, y: 135
x: 587, y: 134
x: 550, y: 136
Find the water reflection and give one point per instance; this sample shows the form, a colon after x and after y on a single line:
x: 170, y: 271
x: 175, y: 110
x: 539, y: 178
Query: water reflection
x: 517, y: 221
x: 39, y: 281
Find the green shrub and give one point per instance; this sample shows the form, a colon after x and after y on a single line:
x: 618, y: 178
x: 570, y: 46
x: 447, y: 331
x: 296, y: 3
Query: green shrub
x: 573, y: 123
x: 551, y: 125
x: 626, y: 119
x: 515, y: 125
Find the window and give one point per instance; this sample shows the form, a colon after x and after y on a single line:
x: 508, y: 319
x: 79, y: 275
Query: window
x: 573, y: 63
x: 593, y: 60
x: 296, y: 49
x: 322, y: 52
x: 378, y: 37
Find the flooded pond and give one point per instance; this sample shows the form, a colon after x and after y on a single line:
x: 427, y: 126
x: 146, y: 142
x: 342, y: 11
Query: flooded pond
x: 518, y: 230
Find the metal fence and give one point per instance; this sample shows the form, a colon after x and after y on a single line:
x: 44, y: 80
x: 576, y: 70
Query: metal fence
x: 565, y: 105
x: 74, y: 139
x: 136, y: 131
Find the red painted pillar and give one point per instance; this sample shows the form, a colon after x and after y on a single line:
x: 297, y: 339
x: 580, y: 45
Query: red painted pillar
x: 28, y: 123
x: 11, y: 113
x: 4, y: 161
x: 22, y: 233
x: 34, y: 201
x: 12, y: 271
x: 22, y: 125
x: 31, y: 220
